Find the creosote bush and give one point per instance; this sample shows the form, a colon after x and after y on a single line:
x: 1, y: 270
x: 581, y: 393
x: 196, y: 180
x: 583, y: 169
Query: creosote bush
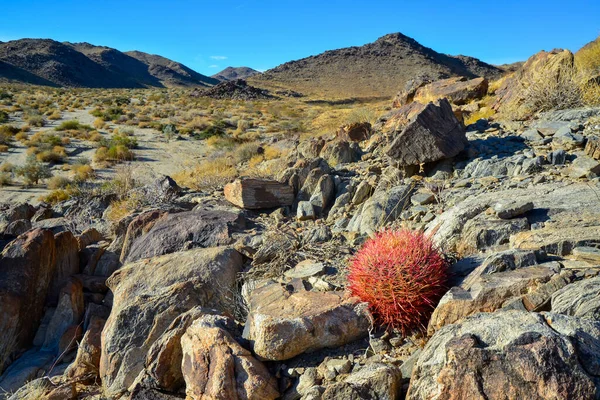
x: 402, y: 276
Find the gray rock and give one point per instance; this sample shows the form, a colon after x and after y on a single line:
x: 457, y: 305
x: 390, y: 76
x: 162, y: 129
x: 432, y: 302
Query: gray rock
x: 499, y: 353
x: 580, y: 299
x: 532, y: 135
x: 432, y: 135
x: 383, y: 207
x: 508, y: 210
x: 583, y: 166
x: 186, y: 230
x: 557, y: 157
x: 587, y: 253
x: 305, y: 269
x: 305, y: 211
x: 323, y: 194
x: 420, y: 199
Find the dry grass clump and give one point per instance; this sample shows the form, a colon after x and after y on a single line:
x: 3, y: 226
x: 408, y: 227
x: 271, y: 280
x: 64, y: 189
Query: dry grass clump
x: 208, y: 174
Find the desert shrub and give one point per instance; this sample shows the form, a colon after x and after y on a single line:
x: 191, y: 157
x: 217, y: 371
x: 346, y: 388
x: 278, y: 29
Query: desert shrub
x: 6, y: 167
x: 3, y: 148
x: 82, y: 172
x: 56, y: 155
x: 58, y: 182
x: 401, y: 275
x: 246, y: 151
x: 36, y: 120
x: 98, y: 123
x: 73, y: 125
x: 216, y: 129
x: 208, y: 174
x: 3, y: 116
x: 5, y: 178
x: 33, y: 171
x: 588, y: 58
x: 55, y: 115
x: 58, y: 195
x: 8, y: 130
x: 359, y: 115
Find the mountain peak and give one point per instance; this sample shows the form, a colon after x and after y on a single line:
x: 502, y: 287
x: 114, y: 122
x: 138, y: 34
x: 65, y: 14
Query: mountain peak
x: 233, y: 73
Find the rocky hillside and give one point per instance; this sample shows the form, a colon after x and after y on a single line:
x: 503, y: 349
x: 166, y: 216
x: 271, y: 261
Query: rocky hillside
x: 375, y: 69
x: 233, y: 73
x: 48, y: 62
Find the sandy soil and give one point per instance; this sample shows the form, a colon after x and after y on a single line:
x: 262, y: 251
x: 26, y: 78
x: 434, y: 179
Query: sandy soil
x: 154, y: 156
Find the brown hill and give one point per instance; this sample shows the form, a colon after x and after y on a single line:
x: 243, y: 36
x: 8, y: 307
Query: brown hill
x: 233, y: 73
x: 52, y: 63
x: 375, y: 69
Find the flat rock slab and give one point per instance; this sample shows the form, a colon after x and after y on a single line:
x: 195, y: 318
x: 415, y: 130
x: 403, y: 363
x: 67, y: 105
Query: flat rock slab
x: 282, y: 325
x: 255, y: 194
x: 306, y: 269
x: 588, y: 254
x: 186, y: 230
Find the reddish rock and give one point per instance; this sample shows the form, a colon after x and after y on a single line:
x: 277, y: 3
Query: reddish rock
x: 356, y: 132
x: 139, y: 226
x: 457, y: 90
x: 215, y: 366
x: 255, y: 194
x: 282, y: 325
x: 67, y: 263
x: 87, y: 361
x: 89, y: 236
x: 592, y: 148
x: 26, y: 268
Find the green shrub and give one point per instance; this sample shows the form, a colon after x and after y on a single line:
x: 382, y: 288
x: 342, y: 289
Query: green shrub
x: 33, y: 171
x: 73, y: 125
x: 36, y: 120
x: 3, y: 116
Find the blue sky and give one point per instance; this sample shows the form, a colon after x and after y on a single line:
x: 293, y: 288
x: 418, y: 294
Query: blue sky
x: 210, y: 35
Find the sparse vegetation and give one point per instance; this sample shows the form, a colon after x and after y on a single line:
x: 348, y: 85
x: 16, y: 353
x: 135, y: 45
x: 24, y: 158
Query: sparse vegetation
x: 33, y: 171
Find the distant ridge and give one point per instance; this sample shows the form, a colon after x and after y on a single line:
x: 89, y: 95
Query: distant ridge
x: 52, y: 63
x: 375, y: 69
x: 233, y: 73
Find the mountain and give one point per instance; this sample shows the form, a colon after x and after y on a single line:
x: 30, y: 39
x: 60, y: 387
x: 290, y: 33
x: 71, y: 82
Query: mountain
x: 376, y: 69
x: 233, y: 73
x: 52, y: 63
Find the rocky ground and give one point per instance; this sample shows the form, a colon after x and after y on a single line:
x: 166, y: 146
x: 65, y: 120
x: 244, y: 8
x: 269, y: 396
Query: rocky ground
x: 240, y: 293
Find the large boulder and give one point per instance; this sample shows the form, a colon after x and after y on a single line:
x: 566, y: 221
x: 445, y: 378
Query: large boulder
x: 432, y: 134
x: 215, y: 366
x: 407, y: 94
x: 185, y: 230
x: 150, y: 294
x: 458, y: 90
x: 254, y: 194
x: 513, y: 354
x: 513, y: 92
x: 283, y: 324
x: 26, y: 268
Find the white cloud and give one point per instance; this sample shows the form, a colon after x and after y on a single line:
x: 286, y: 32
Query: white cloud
x: 213, y: 66
x: 218, y: 57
